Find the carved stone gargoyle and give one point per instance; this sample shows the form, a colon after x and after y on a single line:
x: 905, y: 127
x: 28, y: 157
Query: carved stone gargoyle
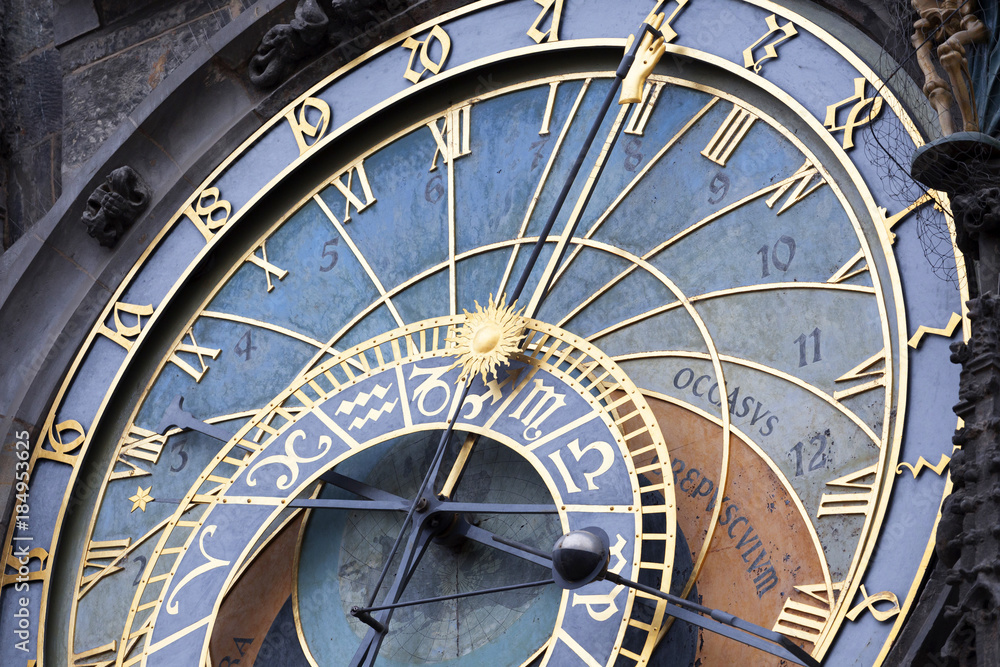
x: 115, y: 205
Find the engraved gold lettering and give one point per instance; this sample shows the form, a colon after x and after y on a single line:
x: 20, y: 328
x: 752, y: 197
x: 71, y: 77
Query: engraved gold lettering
x: 346, y: 189
x: 102, y: 556
x: 803, y: 186
x: 729, y: 135
x: 924, y: 463
x: 858, y: 501
x: 863, y: 370
x: 947, y: 331
x: 123, y: 333
x: 198, y: 351
x: 452, y: 139
x: 854, y: 118
x: 550, y: 106
x: 141, y: 444
x: 880, y: 615
x: 640, y: 114
x: 62, y: 448
x: 16, y: 566
x: 422, y: 48
x: 209, y: 212
x: 770, y: 48
x: 269, y: 269
x: 805, y: 621
x: 310, y: 119
x: 553, y: 7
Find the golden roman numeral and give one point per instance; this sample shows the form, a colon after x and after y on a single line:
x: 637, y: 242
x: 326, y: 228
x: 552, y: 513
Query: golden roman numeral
x: 861, y: 371
x: 550, y: 106
x: 209, y: 212
x: 553, y: 7
x: 347, y: 189
x: 305, y: 123
x: 140, y: 444
x: 97, y: 552
x: 805, y: 621
x: 803, y: 186
x: 642, y: 111
x: 852, y: 502
x: 269, y: 269
x: 845, y: 272
x: 123, y: 333
x: 198, y: 351
x: 453, y: 137
x: 729, y: 135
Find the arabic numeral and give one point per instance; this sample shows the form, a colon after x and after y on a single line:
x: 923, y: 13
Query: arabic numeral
x: 818, y: 459
x: 330, y: 253
x: 804, y: 349
x: 776, y: 253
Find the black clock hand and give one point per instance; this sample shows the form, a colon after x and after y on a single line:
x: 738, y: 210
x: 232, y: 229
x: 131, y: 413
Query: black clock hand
x: 627, y: 69
x: 419, y: 499
x: 581, y: 557
x: 416, y: 545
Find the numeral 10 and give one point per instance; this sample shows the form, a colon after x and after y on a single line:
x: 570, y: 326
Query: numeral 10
x: 781, y: 265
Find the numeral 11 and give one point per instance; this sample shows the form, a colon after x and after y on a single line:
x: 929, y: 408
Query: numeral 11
x: 802, y: 340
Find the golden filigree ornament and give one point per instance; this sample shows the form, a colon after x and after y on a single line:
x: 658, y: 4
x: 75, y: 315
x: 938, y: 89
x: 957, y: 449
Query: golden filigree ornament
x: 487, y: 338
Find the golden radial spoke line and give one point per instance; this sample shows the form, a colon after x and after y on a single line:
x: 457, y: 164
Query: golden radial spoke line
x: 361, y: 258
x: 452, y: 232
x: 215, y: 315
x: 749, y: 289
x: 370, y: 308
x: 713, y: 355
x: 581, y: 202
x: 674, y: 239
x: 541, y: 184
x: 635, y: 182
x: 769, y: 370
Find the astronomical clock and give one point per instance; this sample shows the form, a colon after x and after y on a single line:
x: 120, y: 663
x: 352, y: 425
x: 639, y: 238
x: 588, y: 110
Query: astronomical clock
x: 356, y: 388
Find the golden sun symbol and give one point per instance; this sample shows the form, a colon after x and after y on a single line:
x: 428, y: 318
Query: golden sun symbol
x: 488, y: 338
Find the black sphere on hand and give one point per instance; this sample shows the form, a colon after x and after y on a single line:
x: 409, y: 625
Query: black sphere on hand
x: 580, y: 557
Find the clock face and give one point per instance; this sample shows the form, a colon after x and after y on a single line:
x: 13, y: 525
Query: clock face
x: 721, y: 374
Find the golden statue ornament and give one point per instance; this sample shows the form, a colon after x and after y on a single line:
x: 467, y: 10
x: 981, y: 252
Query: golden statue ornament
x: 487, y: 338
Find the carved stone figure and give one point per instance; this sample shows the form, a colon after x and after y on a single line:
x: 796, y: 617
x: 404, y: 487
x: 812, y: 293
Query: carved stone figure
x: 952, y: 25
x: 317, y: 25
x: 286, y: 44
x: 115, y: 205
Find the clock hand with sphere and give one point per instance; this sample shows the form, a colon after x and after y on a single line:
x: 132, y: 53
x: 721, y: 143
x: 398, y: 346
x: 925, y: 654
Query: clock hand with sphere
x: 651, y: 43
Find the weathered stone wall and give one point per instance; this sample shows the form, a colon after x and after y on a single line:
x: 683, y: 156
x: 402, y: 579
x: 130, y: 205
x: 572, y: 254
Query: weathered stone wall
x: 72, y: 71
